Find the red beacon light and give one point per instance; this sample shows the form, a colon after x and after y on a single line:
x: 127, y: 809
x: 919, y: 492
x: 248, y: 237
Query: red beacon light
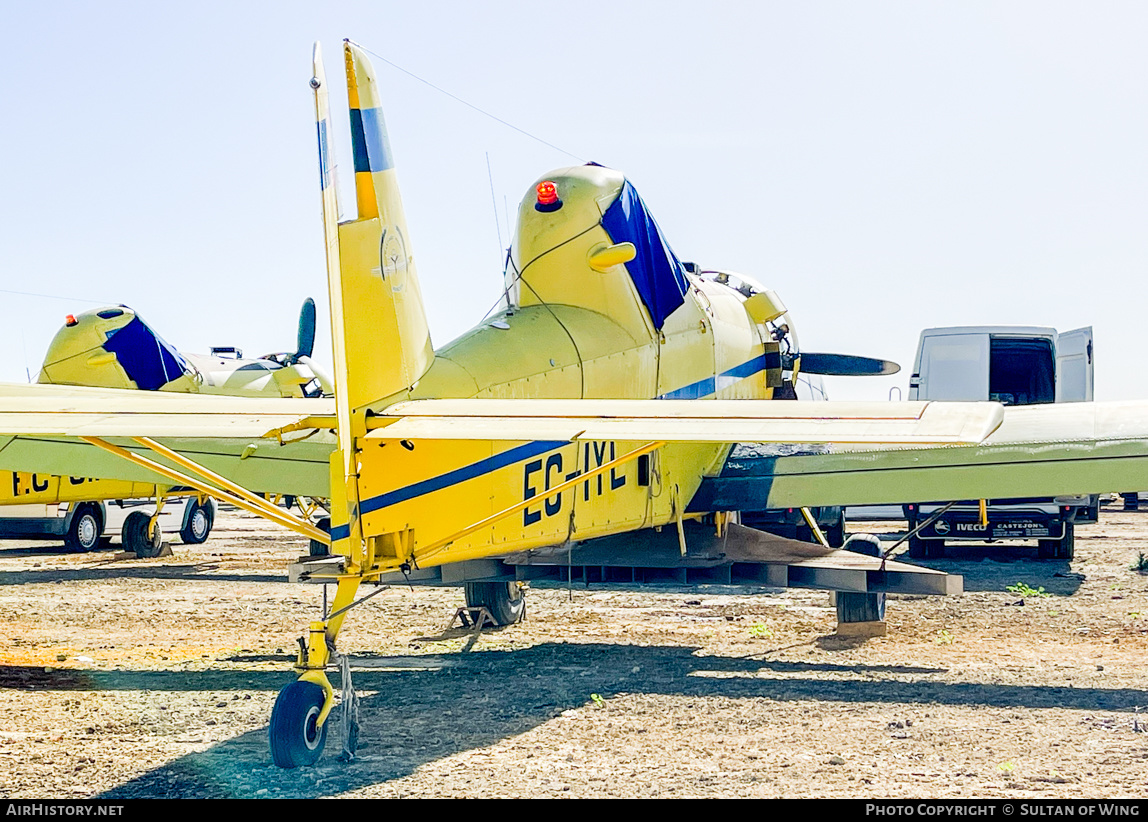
x: 547, y: 197
x: 70, y: 320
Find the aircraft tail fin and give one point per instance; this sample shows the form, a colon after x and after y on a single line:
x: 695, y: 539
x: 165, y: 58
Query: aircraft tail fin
x: 378, y: 310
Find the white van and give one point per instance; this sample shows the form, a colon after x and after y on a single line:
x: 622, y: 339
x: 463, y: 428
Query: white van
x: 85, y: 526
x: 1013, y: 365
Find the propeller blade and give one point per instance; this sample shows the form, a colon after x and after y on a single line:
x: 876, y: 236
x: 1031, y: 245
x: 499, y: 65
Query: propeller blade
x: 306, y: 329
x: 845, y: 365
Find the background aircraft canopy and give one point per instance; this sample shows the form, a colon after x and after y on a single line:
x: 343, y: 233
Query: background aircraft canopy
x: 149, y: 361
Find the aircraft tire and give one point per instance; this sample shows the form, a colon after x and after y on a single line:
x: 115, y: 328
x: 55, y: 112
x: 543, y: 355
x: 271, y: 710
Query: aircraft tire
x: 197, y: 523
x: 317, y: 548
x: 835, y: 533
x: 295, y: 738
x: 135, y: 536
x: 85, y: 529
x: 504, y: 600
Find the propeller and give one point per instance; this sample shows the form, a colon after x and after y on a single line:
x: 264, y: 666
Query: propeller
x: 306, y: 342
x: 839, y: 365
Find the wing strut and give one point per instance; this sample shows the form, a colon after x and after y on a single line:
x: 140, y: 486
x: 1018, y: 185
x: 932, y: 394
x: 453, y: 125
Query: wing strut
x: 233, y: 494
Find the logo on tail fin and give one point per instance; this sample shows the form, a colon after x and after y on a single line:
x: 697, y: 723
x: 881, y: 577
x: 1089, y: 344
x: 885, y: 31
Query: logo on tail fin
x: 394, y: 258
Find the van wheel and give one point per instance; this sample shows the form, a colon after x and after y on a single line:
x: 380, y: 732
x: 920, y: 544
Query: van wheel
x: 85, y: 529
x: 1063, y: 548
x: 197, y: 524
x: 135, y: 537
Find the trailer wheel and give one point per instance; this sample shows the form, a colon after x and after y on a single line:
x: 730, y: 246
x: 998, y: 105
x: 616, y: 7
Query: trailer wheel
x: 1063, y: 548
x: 504, y: 600
x: 85, y: 528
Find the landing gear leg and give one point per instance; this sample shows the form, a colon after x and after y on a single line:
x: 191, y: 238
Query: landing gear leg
x: 298, y: 728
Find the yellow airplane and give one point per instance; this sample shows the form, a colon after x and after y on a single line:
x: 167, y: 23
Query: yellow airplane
x: 114, y: 347
x: 599, y: 402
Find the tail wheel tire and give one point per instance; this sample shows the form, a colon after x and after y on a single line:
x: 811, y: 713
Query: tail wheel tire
x: 197, y: 523
x: 296, y: 738
x: 504, y: 600
x: 135, y: 536
x: 85, y: 529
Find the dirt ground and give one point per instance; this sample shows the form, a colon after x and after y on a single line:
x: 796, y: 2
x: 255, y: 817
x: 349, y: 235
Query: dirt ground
x: 155, y: 678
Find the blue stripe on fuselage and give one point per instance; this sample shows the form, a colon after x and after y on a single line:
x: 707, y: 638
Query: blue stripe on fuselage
x: 708, y: 386
x: 467, y: 472
x: 698, y: 390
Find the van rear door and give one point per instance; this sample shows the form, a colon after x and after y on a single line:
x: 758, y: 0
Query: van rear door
x: 1074, y: 366
x: 954, y: 367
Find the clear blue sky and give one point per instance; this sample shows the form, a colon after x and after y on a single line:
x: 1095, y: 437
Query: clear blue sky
x: 885, y: 166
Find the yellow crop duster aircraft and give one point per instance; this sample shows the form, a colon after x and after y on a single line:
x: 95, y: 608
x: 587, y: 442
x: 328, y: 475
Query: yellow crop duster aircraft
x: 614, y: 384
x: 114, y: 347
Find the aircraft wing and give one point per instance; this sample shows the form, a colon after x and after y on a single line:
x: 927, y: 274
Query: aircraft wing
x: 845, y: 453
x: 1043, y: 450
x: 705, y: 421
x: 42, y: 426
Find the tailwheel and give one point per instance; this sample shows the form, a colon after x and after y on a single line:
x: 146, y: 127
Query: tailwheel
x: 296, y: 737
x: 505, y: 600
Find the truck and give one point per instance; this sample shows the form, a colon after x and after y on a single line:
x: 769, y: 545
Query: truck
x: 1013, y: 365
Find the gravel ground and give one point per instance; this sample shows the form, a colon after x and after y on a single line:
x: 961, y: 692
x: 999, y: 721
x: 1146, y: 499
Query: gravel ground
x: 155, y: 678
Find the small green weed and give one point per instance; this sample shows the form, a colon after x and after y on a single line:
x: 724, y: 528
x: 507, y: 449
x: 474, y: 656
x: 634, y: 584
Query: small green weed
x: 759, y: 630
x: 945, y: 637
x: 1141, y: 563
x: 1006, y: 767
x: 1025, y: 590
x: 598, y: 701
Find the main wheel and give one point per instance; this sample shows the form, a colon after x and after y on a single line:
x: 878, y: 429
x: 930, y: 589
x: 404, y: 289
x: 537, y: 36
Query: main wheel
x: 197, y: 523
x: 85, y: 528
x: 504, y: 600
x: 296, y: 738
x: 835, y: 533
x: 318, y: 549
x: 135, y: 536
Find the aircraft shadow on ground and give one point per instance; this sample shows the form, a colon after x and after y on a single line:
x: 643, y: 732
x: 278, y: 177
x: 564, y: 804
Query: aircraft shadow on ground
x: 457, y: 703
x: 197, y: 570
